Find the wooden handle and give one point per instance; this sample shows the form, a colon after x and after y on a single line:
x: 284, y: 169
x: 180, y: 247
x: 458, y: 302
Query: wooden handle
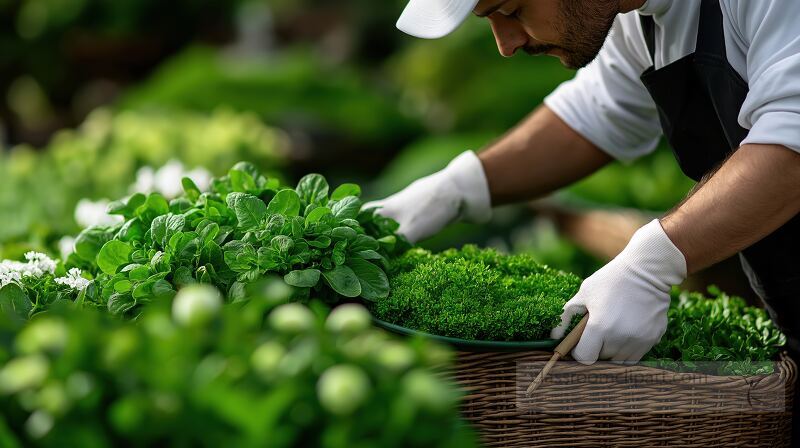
x: 561, y: 350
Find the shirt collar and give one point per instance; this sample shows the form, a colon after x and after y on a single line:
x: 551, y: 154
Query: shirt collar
x: 655, y: 7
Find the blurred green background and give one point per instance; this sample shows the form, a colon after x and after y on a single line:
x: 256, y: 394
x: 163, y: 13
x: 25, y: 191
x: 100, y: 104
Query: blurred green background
x: 96, y: 96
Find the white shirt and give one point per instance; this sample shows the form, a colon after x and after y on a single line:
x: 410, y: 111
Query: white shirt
x: 608, y: 104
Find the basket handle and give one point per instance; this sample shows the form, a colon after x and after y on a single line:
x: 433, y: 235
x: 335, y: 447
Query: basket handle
x: 561, y: 350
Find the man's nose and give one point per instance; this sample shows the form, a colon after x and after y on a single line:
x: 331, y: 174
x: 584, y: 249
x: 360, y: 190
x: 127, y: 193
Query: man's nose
x: 508, y: 33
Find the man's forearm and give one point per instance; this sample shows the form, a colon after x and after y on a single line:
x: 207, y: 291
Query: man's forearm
x: 540, y: 155
x: 755, y: 192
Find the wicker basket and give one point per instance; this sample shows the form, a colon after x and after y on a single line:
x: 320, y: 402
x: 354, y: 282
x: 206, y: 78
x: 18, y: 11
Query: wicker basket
x: 610, y: 405
x: 687, y: 410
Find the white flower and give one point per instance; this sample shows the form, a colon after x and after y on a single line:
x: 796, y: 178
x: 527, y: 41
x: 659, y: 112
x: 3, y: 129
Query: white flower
x: 74, y: 280
x: 167, y: 179
x: 90, y: 213
x: 37, y: 264
x: 145, y: 180
x: 201, y: 177
x: 66, y: 246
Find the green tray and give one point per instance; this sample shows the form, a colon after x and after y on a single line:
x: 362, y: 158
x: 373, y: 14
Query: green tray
x: 472, y: 345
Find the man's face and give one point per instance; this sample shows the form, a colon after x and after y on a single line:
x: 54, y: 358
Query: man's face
x: 572, y: 30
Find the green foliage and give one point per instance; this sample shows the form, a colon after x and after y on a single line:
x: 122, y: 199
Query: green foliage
x: 77, y: 377
x: 100, y: 160
x: 462, y: 84
x: 722, y: 329
x: 655, y: 182
x: 476, y: 294
x: 287, y: 90
x: 246, y: 227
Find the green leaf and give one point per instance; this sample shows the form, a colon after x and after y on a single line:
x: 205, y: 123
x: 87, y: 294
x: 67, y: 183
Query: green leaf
x: 90, y: 241
x: 343, y: 280
x: 374, y: 283
x: 120, y: 303
x: 154, y: 206
x: 338, y: 256
x: 127, y: 207
x: 190, y: 188
x: 137, y: 272
x: 207, y: 230
x: 368, y: 255
x: 123, y: 286
x: 321, y: 242
x: 285, y: 202
x: 305, y: 278
x: 347, y: 208
x: 132, y: 230
x: 313, y: 189
x: 163, y: 227
x: 112, y: 255
x: 281, y: 243
x: 364, y: 242
x: 14, y: 301
x: 345, y: 190
x: 250, y: 210
x: 241, y: 181
x: 344, y: 233
x: 317, y: 214
x: 184, y: 246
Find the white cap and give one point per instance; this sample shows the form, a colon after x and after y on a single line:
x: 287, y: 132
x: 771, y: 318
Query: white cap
x: 432, y: 19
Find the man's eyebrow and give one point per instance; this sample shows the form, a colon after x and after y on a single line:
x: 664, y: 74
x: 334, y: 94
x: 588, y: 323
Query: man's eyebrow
x: 491, y: 10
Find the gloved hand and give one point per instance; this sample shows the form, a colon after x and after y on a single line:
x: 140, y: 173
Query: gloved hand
x: 627, y: 299
x: 460, y: 191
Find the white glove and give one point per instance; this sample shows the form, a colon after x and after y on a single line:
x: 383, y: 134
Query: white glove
x: 627, y: 299
x: 458, y: 192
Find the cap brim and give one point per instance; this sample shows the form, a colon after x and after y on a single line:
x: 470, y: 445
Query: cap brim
x: 432, y: 19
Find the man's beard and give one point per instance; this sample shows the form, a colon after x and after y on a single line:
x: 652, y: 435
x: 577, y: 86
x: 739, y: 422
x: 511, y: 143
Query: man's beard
x: 584, y: 26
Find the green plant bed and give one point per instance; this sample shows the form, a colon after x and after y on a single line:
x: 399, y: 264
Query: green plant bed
x: 480, y: 300
x: 475, y: 295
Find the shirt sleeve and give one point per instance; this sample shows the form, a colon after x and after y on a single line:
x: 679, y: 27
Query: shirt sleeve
x: 770, y: 30
x: 606, y: 102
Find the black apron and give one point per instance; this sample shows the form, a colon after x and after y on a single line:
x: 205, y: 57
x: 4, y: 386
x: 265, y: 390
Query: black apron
x: 698, y: 99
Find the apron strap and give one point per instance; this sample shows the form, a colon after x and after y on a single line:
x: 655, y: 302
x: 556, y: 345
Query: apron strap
x: 649, y: 31
x: 710, y: 42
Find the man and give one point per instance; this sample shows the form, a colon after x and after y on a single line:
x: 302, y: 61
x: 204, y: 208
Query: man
x: 720, y: 79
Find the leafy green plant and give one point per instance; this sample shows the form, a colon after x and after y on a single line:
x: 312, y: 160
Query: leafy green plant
x: 208, y: 375
x: 722, y: 329
x: 476, y: 294
x: 246, y: 227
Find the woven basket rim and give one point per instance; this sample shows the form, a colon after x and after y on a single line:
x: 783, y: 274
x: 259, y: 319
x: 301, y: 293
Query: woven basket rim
x: 470, y: 345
